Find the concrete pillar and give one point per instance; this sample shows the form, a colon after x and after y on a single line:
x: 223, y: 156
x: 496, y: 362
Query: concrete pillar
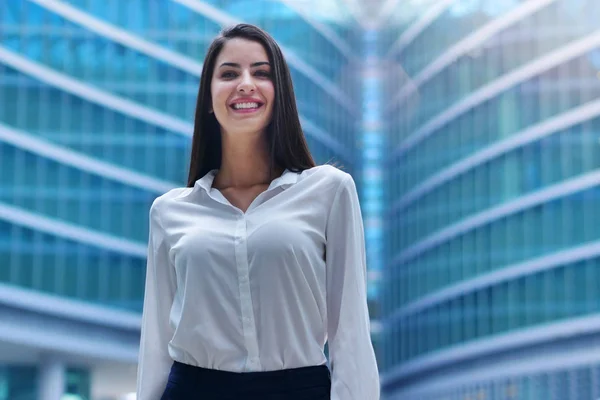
x: 51, y: 378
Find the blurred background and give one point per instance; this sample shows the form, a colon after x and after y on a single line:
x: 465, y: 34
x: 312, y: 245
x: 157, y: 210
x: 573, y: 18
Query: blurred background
x: 472, y: 129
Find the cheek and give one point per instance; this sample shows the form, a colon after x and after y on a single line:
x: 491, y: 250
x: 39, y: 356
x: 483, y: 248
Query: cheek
x: 219, y: 95
x: 213, y: 96
x: 271, y: 91
x: 268, y: 91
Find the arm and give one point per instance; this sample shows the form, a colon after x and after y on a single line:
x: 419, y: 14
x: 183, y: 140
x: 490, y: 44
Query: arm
x: 354, y: 369
x: 154, y: 360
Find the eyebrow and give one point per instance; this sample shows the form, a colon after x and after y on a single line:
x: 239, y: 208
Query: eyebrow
x: 235, y: 65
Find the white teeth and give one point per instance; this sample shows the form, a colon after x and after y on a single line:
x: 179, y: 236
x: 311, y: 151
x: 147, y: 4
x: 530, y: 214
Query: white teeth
x: 239, y: 106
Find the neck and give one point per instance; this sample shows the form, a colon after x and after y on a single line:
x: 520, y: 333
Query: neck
x: 244, y: 161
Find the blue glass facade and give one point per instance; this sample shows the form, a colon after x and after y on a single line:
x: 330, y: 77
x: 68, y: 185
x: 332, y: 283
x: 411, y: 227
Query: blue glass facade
x: 471, y: 128
x: 96, y: 119
x: 493, y: 251
x: 86, y: 91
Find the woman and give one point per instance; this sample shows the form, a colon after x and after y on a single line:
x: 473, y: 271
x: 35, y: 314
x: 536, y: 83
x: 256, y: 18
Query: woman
x: 260, y: 260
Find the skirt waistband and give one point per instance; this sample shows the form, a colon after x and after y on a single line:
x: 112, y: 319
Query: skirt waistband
x: 315, y: 379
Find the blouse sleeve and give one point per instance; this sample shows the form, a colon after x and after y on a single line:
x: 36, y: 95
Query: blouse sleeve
x: 154, y: 362
x: 352, y: 359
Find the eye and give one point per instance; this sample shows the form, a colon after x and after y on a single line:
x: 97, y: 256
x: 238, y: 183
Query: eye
x: 263, y: 74
x: 228, y: 75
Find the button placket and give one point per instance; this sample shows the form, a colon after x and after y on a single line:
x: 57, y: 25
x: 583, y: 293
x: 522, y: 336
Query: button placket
x: 248, y: 324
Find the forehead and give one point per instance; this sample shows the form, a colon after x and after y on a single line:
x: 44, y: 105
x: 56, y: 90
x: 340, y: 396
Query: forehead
x: 242, y: 51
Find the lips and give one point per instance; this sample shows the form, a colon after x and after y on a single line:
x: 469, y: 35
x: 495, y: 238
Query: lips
x: 246, y: 104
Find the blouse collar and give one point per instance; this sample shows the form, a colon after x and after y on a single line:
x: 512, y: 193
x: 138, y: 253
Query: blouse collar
x: 287, y: 179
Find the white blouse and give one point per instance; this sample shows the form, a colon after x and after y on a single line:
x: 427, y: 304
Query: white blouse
x: 262, y: 290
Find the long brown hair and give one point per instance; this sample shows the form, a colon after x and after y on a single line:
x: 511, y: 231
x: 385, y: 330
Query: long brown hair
x: 287, y: 144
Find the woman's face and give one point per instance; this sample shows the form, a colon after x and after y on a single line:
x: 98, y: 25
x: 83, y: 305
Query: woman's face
x: 242, y: 89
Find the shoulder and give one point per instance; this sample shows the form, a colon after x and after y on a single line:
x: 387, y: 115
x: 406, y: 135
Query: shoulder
x: 329, y: 185
x: 329, y: 176
x: 162, y: 202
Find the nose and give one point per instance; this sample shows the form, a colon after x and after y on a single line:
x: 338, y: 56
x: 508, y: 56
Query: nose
x: 247, y: 84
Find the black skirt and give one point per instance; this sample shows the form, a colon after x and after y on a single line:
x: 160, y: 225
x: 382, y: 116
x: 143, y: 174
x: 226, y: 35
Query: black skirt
x: 187, y: 382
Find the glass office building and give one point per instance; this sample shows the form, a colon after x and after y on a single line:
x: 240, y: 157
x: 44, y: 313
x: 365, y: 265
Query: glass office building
x: 96, y: 108
x: 472, y: 128
x: 491, y: 286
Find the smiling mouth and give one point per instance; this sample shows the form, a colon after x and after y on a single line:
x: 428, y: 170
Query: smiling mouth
x: 248, y: 106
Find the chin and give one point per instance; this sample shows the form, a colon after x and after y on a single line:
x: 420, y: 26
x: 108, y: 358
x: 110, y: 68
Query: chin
x: 246, y: 130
